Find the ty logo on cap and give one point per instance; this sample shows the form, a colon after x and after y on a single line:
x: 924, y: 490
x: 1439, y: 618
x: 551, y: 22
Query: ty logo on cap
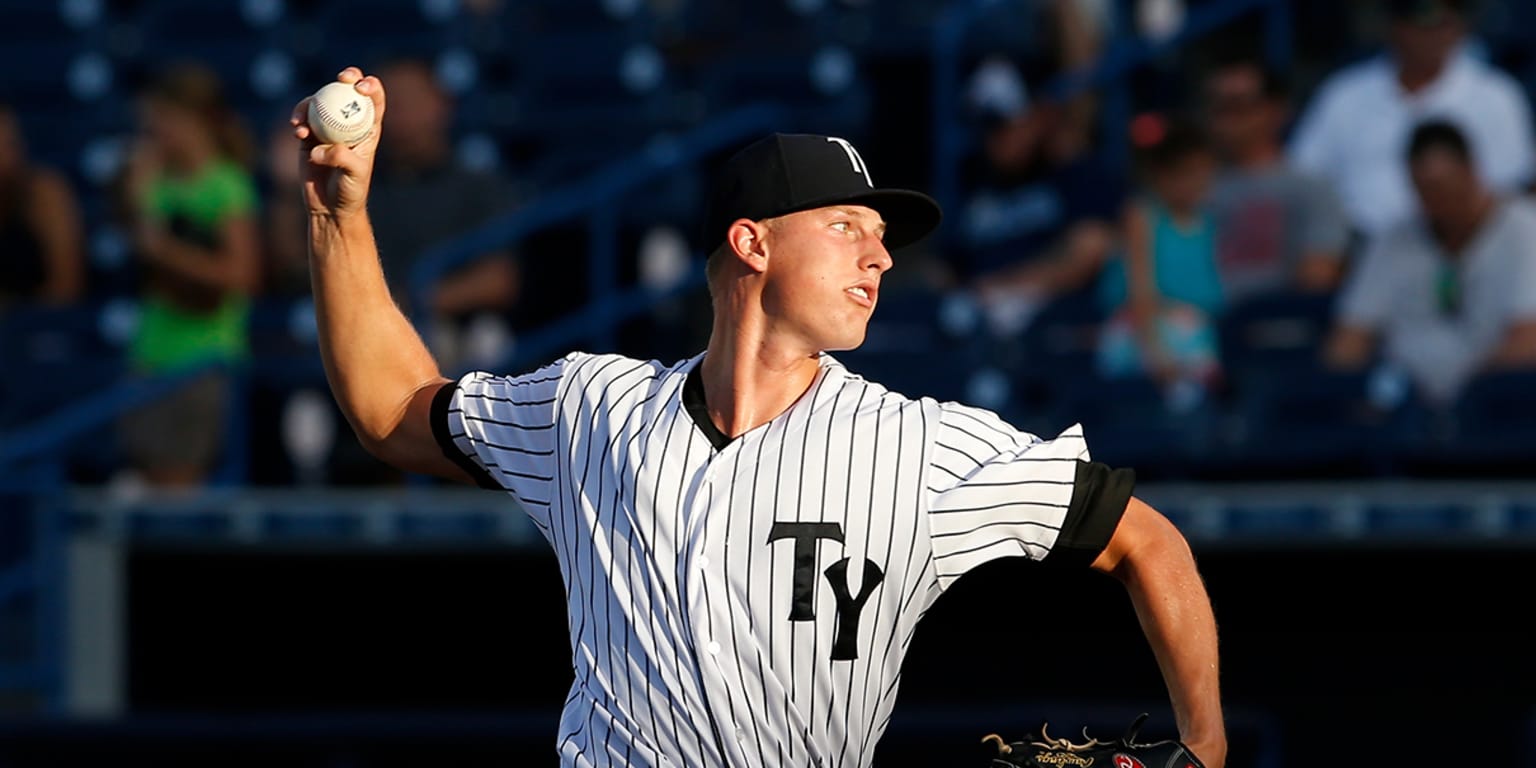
x: 853, y: 157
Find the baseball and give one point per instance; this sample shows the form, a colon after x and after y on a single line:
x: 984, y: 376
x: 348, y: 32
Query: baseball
x: 338, y: 114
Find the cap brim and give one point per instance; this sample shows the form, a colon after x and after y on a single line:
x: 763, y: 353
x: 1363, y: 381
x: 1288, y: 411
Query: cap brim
x: 909, y: 216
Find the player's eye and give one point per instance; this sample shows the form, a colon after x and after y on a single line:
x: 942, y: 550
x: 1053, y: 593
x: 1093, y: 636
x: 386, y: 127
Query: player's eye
x: 841, y: 226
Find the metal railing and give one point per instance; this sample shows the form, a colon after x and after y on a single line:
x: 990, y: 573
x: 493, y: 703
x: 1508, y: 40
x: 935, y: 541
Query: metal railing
x: 32, y: 469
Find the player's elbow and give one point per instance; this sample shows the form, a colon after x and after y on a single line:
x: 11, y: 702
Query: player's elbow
x: 398, y: 431
x: 1146, y: 540
x: 372, y: 436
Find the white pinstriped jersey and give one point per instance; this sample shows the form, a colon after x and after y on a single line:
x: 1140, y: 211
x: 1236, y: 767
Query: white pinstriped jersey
x: 748, y: 602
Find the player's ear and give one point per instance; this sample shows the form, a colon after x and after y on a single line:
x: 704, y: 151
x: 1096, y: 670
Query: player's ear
x: 745, y: 240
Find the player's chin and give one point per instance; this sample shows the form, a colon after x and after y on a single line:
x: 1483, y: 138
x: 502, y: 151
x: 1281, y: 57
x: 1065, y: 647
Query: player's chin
x: 852, y: 339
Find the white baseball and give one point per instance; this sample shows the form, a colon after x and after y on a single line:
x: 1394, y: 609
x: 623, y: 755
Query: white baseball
x: 339, y: 114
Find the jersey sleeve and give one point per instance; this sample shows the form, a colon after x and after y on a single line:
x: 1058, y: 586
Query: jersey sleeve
x: 995, y: 491
x: 502, y: 431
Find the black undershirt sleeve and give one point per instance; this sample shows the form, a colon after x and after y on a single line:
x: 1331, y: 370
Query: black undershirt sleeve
x: 1099, y: 497
x: 440, y: 403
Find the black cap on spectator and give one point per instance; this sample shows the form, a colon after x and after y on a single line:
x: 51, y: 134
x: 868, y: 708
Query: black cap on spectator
x: 788, y: 172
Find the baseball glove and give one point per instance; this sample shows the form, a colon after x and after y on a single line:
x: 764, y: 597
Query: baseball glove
x: 1047, y: 752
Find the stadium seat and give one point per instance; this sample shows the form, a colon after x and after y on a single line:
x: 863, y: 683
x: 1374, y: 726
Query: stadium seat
x: 283, y: 338
x: 1133, y: 422
x: 1056, y: 351
x: 37, y: 70
x: 190, y: 21
x: 54, y: 356
x: 1491, y: 427
x: 1309, y: 421
x: 1271, y: 333
x: 366, y: 32
x: 29, y: 21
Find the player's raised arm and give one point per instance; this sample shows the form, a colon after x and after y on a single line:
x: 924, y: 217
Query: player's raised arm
x: 382, y: 375
x: 1151, y: 557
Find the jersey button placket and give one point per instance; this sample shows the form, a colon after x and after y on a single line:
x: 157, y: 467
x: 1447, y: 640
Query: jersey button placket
x: 696, y: 544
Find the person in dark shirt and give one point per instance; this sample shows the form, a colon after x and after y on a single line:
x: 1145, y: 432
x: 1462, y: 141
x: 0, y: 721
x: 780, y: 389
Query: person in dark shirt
x: 422, y: 196
x: 1038, y: 222
x: 41, y: 252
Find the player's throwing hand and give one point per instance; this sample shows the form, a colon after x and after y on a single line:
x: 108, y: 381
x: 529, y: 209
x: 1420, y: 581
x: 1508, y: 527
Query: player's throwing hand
x: 336, y: 177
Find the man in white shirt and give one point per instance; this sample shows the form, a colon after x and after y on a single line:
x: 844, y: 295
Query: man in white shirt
x: 1356, y: 127
x: 1449, y: 294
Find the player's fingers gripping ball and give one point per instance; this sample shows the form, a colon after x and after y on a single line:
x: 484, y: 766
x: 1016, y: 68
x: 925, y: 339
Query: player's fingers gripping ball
x: 1047, y: 752
x: 340, y: 114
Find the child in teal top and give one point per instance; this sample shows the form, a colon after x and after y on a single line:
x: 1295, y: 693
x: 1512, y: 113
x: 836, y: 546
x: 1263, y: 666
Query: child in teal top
x: 1164, y: 292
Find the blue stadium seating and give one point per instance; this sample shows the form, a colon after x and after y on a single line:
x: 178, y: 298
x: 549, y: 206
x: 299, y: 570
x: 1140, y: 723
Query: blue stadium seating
x: 1272, y: 333
x: 1492, y: 425
x: 29, y: 21
x: 37, y: 70
x: 1315, y: 422
x: 54, y: 356
x: 1135, y: 422
x: 1057, y: 348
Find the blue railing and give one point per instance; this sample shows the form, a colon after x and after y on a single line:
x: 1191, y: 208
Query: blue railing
x: 39, y: 575
x: 32, y: 468
x: 953, y: 138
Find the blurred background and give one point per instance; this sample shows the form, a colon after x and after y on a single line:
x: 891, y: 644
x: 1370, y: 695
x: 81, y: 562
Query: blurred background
x: 1278, y: 256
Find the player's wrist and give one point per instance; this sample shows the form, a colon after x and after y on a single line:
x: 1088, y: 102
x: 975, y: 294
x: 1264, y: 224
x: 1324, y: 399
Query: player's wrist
x: 331, y: 229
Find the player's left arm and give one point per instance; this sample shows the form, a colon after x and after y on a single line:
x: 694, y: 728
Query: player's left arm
x: 1154, y: 562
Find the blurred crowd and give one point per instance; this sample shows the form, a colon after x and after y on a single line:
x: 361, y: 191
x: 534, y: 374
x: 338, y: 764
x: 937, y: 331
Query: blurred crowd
x: 1396, y: 191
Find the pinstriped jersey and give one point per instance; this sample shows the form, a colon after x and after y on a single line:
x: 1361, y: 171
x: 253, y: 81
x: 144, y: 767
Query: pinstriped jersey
x: 749, y: 601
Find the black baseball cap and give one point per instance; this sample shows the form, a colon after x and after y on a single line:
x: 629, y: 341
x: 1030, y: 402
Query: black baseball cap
x: 788, y: 172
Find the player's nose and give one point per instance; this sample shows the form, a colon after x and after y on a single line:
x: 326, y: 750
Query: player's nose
x: 875, y: 255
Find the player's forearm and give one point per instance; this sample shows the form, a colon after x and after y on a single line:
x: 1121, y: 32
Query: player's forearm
x: 1175, y: 613
x: 374, y: 359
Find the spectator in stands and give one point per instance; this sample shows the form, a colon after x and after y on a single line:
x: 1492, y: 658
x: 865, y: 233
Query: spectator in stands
x: 1357, y: 124
x: 191, y: 205
x: 285, y: 237
x: 1277, y: 229
x: 1163, y: 293
x: 1038, y: 221
x: 422, y: 196
x: 41, y: 251
x: 1449, y: 293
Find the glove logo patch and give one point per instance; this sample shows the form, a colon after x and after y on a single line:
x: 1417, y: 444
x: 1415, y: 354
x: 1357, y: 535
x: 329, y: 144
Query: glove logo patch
x: 1060, y: 759
x: 1126, y: 761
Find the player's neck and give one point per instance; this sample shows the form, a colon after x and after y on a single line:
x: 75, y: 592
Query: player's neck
x: 750, y: 377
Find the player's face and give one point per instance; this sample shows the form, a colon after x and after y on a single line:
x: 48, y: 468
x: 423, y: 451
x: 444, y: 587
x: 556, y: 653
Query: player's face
x: 823, y: 274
